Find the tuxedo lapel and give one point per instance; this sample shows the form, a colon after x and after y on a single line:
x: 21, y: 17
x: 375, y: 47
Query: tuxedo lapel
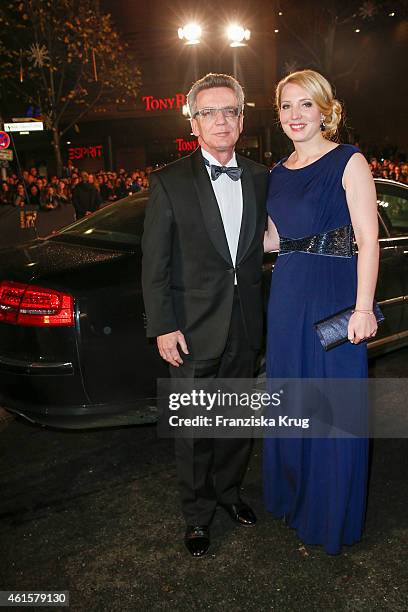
x: 209, y: 206
x: 248, y: 223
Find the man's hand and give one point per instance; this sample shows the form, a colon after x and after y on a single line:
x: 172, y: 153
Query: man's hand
x: 167, y: 345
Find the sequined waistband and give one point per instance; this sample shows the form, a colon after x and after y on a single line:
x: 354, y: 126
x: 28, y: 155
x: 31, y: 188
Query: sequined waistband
x: 337, y: 243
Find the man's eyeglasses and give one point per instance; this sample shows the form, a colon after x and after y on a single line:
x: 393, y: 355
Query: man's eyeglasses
x: 228, y: 112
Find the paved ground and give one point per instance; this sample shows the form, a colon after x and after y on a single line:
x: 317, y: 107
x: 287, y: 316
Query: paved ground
x: 96, y: 513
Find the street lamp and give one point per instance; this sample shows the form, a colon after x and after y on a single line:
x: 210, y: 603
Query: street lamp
x: 191, y: 33
x: 237, y: 35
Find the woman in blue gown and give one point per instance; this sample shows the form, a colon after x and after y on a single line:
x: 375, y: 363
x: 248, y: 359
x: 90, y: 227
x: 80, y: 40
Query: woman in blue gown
x: 318, y: 485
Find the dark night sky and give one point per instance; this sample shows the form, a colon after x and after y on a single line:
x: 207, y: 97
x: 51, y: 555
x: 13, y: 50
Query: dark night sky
x: 375, y: 94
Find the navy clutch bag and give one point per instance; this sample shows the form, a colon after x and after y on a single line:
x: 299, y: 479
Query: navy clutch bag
x: 333, y: 330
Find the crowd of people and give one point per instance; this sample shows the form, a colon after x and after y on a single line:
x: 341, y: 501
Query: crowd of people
x: 35, y: 192
x: 389, y: 169
x: 82, y: 189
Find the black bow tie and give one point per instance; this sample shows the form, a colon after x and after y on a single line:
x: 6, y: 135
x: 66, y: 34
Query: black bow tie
x: 234, y: 172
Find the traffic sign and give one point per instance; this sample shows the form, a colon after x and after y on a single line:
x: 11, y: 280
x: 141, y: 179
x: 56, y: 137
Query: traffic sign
x: 26, y: 126
x: 4, y: 140
x: 6, y: 154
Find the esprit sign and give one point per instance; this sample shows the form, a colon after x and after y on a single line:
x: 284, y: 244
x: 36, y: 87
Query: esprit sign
x: 92, y: 152
x: 159, y: 104
x: 186, y: 145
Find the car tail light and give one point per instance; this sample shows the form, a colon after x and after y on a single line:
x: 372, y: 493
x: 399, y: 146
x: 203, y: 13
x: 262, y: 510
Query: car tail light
x: 23, y: 304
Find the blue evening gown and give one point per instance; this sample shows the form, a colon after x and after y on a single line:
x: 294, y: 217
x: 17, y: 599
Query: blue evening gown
x: 317, y: 485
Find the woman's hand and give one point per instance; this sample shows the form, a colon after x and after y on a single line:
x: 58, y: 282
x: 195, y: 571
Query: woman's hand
x: 362, y: 326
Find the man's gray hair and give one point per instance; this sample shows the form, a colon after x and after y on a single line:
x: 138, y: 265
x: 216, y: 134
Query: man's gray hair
x: 209, y: 81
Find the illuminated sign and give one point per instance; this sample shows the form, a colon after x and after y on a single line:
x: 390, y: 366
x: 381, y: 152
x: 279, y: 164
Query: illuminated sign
x: 155, y: 104
x: 92, y: 151
x: 186, y: 145
x: 24, y: 126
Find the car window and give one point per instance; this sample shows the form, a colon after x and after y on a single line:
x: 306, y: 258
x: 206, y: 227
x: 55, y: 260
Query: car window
x: 393, y: 208
x: 121, y: 222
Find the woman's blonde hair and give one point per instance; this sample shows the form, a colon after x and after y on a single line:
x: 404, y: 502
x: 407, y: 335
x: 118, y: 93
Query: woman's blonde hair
x: 320, y: 92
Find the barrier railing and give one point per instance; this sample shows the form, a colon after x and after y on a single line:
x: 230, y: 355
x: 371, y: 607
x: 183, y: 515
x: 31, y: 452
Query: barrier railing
x: 18, y: 225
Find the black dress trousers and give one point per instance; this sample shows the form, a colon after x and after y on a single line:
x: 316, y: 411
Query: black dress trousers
x: 210, y: 470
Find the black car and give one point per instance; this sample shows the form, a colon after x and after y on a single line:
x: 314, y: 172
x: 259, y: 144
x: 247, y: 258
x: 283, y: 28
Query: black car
x: 73, y: 351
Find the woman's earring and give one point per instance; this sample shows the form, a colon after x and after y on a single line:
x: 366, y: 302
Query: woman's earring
x: 322, y: 124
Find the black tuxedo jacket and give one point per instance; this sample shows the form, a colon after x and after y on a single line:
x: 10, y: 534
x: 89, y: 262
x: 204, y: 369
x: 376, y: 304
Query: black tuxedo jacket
x: 187, y: 271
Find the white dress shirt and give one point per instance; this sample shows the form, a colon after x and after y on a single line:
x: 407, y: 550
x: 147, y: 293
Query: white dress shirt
x: 228, y: 194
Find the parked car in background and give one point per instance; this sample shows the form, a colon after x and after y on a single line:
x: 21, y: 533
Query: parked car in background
x: 73, y: 351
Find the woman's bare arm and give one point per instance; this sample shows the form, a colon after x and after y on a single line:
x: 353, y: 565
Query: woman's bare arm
x: 362, y: 202
x: 271, y: 237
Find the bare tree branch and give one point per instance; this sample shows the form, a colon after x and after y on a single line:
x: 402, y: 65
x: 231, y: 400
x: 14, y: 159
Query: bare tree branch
x: 352, y: 68
x: 85, y: 112
x: 302, y: 41
x: 69, y: 100
x: 59, y: 74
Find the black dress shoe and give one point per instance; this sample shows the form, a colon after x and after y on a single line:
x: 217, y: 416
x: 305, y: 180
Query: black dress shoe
x: 197, y: 540
x: 241, y: 513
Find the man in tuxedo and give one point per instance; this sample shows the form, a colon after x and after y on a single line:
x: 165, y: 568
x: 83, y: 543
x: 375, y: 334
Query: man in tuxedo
x: 202, y: 268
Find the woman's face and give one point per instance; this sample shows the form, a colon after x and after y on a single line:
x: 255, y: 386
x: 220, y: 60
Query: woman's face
x: 299, y: 115
x: 20, y: 190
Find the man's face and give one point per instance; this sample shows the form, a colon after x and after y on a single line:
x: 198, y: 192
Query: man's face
x: 217, y: 134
